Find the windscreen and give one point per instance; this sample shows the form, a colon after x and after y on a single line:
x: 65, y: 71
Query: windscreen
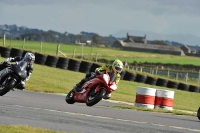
x: 112, y: 76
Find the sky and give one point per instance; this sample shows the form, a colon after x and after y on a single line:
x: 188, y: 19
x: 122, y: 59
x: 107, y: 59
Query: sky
x: 105, y: 17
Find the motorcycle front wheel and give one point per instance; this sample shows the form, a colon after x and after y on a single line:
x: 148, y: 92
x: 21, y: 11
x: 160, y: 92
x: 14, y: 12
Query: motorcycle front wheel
x: 6, y: 86
x: 198, y: 113
x: 95, y: 97
x: 70, y: 97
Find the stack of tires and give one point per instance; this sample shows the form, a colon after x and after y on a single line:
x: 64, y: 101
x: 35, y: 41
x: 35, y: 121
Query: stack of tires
x: 5, y: 52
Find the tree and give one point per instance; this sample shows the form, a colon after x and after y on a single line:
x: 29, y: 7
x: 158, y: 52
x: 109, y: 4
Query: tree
x: 96, y: 39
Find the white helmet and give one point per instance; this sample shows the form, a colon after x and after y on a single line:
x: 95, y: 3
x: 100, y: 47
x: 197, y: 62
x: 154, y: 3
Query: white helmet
x: 29, y: 57
x: 117, y: 66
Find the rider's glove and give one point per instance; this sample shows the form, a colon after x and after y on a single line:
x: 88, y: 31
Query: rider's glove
x: 9, y: 59
x: 97, y: 72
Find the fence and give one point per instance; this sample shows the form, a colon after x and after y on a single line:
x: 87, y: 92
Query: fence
x: 175, y: 75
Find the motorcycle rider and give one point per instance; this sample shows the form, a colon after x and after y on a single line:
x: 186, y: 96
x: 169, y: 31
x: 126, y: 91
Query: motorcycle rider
x: 29, y: 58
x: 116, y: 67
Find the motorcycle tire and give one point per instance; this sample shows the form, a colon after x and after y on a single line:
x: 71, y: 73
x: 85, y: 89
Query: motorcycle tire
x: 70, y: 97
x: 94, y: 98
x: 7, y: 87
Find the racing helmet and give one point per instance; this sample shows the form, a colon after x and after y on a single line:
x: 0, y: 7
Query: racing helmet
x: 29, y: 57
x: 117, y: 66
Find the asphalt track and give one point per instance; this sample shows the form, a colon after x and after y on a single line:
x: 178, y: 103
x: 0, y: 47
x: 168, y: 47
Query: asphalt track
x: 50, y: 111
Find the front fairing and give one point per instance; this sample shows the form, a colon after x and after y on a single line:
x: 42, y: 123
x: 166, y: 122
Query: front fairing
x: 20, y: 68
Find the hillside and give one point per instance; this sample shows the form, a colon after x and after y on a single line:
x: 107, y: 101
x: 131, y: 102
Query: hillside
x: 21, y: 32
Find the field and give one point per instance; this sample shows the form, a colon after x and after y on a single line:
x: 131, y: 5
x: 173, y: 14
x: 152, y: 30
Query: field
x: 101, y: 53
x: 60, y: 82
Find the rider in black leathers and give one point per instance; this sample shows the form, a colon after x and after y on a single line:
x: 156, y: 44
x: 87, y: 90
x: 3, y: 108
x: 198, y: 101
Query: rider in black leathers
x: 28, y: 57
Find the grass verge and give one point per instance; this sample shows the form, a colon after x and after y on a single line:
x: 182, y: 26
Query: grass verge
x: 26, y: 129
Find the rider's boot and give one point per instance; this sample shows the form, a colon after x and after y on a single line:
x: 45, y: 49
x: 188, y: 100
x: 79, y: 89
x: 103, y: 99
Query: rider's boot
x: 78, y: 87
x: 107, y: 96
x: 21, y: 86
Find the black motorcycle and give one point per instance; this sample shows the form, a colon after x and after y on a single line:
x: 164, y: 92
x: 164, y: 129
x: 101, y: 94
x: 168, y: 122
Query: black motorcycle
x: 12, y: 75
x: 198, y: 113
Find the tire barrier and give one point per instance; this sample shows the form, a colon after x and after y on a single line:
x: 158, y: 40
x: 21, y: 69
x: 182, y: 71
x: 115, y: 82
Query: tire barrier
x: 5, y: 52
x: 172, y: 84
x: 164, y: 99
x: 74, y: 65
x: 140, y: 78
x: 161, y: 82
x: 94, y: 66
x: 184, y: 87
x: 40, y: 58
x: 122, y: 75
x: 85, y: 67
x: 193, y: 88
x: 145, y: 97
x: 51, y: 61
x: 198, y: 113
x: 151, y: 80
x: 130, y: 76
x: 16, y: 52
x: 25, y: 51
x: 62, y: 63
x: 0, y: 49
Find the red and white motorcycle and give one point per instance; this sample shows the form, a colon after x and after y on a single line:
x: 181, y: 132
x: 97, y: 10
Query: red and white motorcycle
x: 93, y: 90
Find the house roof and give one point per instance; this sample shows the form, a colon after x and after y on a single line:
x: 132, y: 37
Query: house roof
x: 185, y: 46
x: 137, y: 39
x: 149, y: 46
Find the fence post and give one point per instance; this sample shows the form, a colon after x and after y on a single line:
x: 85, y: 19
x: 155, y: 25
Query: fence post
x: 4, y: 39
x: 82, y: 52
x: 91, y: 53
x: 176, y: 76
x: 23, y: 44
x: 168, y: 73
x: 96, y: 57
x: 41, y: 46
x: 186, y: 77
x: 199, y: 77
x: 156, y: 70
x: 152, y: 71
x: 74, y: 53
x: 10, y: 41
x: 58, y: 47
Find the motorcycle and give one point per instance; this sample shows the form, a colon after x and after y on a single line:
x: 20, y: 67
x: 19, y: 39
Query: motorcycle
x: 93, y: 90
x: 198, y: 113
x: 12, y: 75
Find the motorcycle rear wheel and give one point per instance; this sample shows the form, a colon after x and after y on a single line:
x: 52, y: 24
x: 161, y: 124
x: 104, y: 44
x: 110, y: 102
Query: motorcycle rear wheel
x: 7, y: 87
x: 70, y: 97
x: 95, y: 97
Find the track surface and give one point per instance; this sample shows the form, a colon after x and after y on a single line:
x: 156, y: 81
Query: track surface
x: 50, y: 111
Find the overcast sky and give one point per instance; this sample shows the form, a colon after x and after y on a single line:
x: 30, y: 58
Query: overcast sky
x: 104, y: 17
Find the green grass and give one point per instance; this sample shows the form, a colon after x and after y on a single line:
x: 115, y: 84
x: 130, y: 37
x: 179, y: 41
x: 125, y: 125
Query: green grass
x: 50, y: 48
x: 26, y: 129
